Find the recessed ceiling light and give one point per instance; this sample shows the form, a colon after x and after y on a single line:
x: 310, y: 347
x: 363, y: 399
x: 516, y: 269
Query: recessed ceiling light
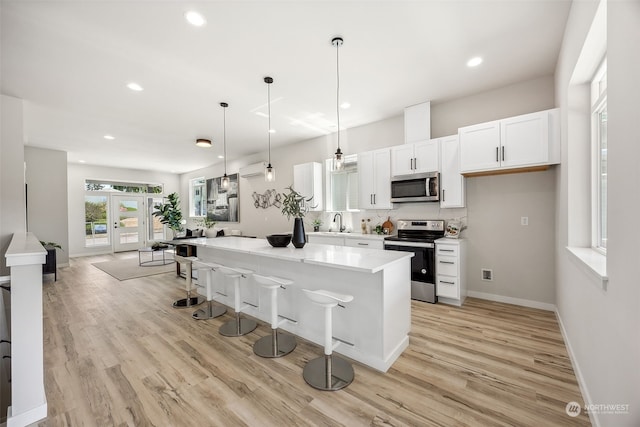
x: 345, y: 105
x: 261, y: 114
x: 272, y: 131
x: 81, y: 161
x: 221, y: 157
x: 202, y: 142
x: 195, y: 19
x: 474, y: 62
x: 109, y: 137
x: 135, y: 86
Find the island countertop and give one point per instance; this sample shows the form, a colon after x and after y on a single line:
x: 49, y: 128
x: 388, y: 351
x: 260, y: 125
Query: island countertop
x: 373, y: 328
x: 343, y: 257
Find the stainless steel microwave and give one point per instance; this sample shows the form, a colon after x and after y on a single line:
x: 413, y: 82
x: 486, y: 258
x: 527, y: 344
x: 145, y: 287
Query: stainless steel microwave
x: 419, y: 187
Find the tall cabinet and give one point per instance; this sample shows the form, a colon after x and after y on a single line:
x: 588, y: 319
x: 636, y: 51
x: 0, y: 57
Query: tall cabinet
x: 374, y: 179
x: 452, y: 185
x: 307, y: 180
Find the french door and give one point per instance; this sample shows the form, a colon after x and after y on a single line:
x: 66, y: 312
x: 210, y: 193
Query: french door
x: 127, y: 216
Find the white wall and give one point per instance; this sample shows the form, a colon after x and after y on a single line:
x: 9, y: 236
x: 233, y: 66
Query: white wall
x: 76, y: 176
x: 601, y: 327
x: 12, y: 199
x: 47, y: 205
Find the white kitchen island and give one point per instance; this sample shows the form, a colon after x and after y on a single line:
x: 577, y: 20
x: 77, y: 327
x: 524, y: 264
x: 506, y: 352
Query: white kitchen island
x: 373, y: 328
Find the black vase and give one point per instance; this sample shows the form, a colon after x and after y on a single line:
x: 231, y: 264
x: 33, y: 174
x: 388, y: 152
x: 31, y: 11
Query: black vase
x: 299, y: 238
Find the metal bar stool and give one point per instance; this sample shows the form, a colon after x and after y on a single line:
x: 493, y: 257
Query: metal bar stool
x: 277, y: 344
x: 238, y: 325
x: 328, y: 372
x: 206, y: 272
x: 189, y: 301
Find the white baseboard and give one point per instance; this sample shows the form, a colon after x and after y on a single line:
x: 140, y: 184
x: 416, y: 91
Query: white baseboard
x: 511, y: 300
x: 4, y: 279
x: 576, y: 368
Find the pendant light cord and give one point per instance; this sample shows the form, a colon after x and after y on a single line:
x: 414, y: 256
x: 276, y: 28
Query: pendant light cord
x: 338, y: 88
x: 269, y: 109
x: 224, y: 136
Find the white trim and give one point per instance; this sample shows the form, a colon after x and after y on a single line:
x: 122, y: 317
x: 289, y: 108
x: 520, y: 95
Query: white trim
x: 5, y: 279
x: 511, y: 300
x: 592, y: 262
x: 28, y: 417
x: 582, y: 384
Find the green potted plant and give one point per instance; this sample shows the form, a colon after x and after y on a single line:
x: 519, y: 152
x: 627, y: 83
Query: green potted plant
x: 296, y: 205
x: 170, y: 213
x: 316, y: 224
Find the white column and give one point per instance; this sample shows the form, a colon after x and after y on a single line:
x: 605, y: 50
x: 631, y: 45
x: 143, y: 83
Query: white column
x: 25, y: 257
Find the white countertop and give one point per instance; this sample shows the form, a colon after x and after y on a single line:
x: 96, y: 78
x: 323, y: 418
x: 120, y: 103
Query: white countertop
x: 364, y: 260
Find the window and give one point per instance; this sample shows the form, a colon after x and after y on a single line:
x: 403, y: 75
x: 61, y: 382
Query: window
x: 123, y: 187
x: 599, y: 158
x: 197, y: 197
x: 96, y: 220
x: 342, y: 185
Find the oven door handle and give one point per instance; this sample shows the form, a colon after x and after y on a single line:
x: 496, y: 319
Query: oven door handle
x: 407, y: 244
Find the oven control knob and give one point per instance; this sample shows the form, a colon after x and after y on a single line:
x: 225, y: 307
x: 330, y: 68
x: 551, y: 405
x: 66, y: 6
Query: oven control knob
x: 423, y: 271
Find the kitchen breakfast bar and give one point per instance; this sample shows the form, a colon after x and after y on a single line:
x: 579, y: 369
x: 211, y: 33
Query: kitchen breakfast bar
x: 372, y: 329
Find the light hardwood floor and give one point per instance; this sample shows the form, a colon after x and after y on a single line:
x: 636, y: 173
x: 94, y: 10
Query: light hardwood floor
x: 117, y: 353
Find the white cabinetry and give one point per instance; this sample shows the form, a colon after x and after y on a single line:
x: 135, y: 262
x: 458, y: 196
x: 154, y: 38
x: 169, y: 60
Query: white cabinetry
x: 354, y: 240
x: 415, y: 158
x: 374, y: 178
x: 417, y: 123
x: 451, y: 283
x: 364, y: 243
x: 451, y: 181
x: 325, y: 239
x: 307, y: 180
x: 527, y: 141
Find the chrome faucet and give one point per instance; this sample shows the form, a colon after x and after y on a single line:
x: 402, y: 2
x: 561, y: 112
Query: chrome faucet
x: 341, y: 228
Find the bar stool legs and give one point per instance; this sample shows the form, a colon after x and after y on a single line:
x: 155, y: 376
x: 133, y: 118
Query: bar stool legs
x: 328, y: 372
x: 189, y: 301
x: 239, y: 325
x: 277, y: 344
x: 211, y: 311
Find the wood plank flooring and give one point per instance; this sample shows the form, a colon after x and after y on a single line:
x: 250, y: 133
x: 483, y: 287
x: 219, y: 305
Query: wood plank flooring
x: 117, y: 354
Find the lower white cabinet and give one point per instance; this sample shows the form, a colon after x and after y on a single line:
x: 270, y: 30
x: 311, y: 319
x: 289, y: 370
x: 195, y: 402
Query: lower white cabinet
x: 451, y: 283
x: 364, y: 243
x: 354, y: 240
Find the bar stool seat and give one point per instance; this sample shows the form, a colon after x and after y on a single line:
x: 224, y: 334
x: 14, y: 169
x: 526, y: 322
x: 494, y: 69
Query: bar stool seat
x: 238, y: 325
x: 328, y: 373
x: 189, y: 301
x: 211, y: 311
x: 277, y: 344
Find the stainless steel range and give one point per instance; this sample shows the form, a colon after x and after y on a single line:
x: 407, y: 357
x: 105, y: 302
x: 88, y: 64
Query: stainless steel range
x: 418, y: 236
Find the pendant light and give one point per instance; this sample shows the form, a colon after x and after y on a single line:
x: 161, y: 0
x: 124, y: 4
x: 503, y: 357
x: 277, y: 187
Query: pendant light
x: 269, y: 172
x: 338, y: 159
x: 225, y: 179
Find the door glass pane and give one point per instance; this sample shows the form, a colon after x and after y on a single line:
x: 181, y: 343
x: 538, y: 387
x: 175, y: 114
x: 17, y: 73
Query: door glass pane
x: 95, y: 217
x: 128, y: 220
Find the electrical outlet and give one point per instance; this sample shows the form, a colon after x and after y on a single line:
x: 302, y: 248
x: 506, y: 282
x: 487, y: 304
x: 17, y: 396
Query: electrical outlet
x: 487, y: 275
x: 524, y: 220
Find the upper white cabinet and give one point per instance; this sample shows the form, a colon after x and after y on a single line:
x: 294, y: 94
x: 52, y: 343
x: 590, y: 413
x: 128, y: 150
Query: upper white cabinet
x: 374, y: 179
x: 417, y: 123
x: 415, y: 158
x: 452, y: 189
x: 307, y: 180
x: 527, y: 141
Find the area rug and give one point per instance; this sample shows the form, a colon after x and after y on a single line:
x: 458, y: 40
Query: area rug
x: 126, y: 269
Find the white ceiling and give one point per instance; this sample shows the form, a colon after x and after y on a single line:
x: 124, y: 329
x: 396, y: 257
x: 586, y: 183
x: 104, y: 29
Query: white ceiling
x: 71, y: 60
